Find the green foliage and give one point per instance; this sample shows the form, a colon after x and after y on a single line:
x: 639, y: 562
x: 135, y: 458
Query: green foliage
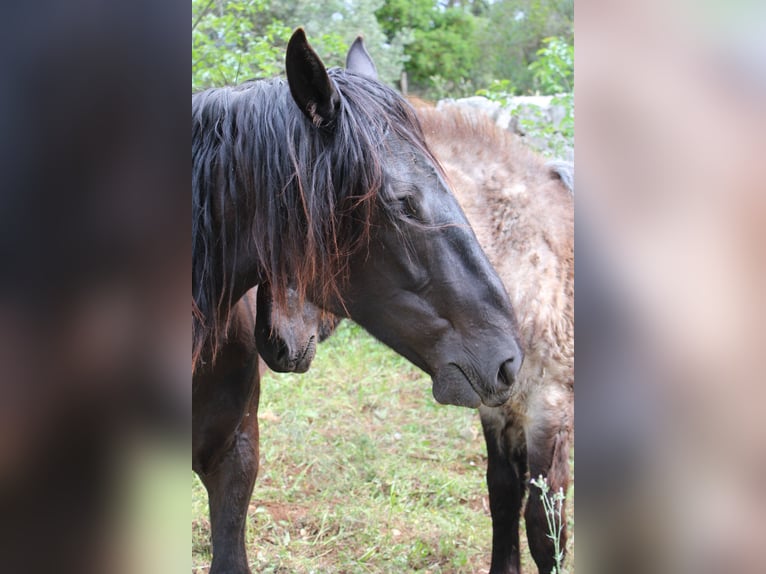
x: 440, y: 45
x: 235, y: 40
x: 447, y: 48
x: 513, y: 37
x: 332, y: 25
x: 553, y: 71
x: 455, y: 47
x: 500, y: 91
x: 566, y: 125
x: 397, y: 15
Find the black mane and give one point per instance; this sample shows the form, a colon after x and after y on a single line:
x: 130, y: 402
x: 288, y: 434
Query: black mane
x: 277, y: 200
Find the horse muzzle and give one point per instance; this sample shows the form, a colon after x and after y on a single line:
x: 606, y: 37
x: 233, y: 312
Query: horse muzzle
x: 282, y: 358
x: 465, y: 387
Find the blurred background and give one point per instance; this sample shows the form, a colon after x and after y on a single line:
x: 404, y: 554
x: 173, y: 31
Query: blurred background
x: 94, y: 225
x: 671, y: 102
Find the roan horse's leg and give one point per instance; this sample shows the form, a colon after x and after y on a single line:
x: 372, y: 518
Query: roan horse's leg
x: 506, y: 470
x: 548, y: 455
x: 225, y: 455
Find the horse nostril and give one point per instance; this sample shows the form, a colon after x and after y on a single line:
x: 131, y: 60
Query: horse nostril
x: 282, y: 352
x: 508, y: 371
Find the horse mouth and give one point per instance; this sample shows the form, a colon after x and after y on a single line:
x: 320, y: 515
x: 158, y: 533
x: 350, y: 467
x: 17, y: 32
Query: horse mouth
x: 454, y: 385
x: 496, y: 399
x: 303, y: 362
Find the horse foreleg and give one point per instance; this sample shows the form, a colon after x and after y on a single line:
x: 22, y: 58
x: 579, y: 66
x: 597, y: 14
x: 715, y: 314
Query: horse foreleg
x: 230, y: 487
x: 548, y: 455
x: 506, y: 468
x: 225, y: 456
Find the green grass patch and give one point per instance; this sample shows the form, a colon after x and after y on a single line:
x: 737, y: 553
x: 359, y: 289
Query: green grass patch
x: 362, y: 472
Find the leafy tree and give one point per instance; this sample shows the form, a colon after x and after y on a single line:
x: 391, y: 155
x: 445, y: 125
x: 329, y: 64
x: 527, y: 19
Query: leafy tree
x: 553, y: 71
x: 447, y: 51
x: 447, y: 47
x: 442, y: 50
x: 515, y: 35
x: 397, y: 15
x: 234, y: 40
x: 333, y: 24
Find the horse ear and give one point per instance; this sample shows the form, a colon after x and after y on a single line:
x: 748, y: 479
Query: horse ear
x: 358, y: 60
x: 311, y: 87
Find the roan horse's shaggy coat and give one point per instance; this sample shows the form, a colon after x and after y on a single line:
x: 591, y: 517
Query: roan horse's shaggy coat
x: 523, y: 215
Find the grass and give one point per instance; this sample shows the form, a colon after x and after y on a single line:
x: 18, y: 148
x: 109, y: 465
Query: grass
x: 362, y: 472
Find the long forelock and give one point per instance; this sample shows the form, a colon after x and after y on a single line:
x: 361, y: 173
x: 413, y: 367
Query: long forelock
x: 297, y: 199
x: 394, y: 123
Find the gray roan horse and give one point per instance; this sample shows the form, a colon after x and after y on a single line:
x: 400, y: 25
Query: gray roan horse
x: 324, y: 184
x: 522, y: 211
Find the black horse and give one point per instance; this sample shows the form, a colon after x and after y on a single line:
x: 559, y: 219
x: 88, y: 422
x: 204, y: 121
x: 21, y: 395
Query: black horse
x: 325, y: 184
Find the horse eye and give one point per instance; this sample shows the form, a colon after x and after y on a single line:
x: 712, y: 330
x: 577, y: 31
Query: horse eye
x: 409, y: 207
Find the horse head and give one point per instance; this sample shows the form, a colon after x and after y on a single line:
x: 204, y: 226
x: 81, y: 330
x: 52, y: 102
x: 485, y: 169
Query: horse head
x: 422, y: 284
x: 327, y: 184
